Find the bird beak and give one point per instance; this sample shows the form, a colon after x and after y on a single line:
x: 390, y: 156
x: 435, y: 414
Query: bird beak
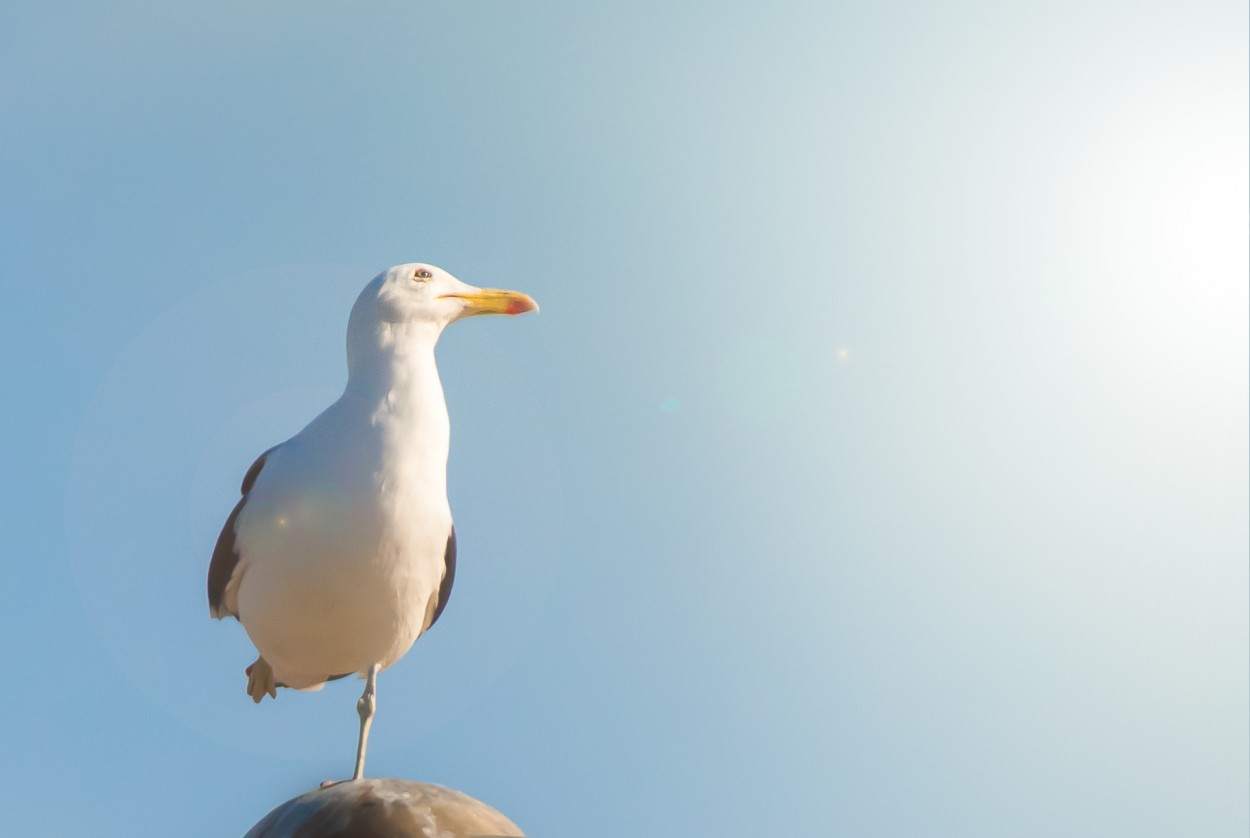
x: 494, y: 301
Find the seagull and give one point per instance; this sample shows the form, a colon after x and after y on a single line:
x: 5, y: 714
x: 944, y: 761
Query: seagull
x: 341, y: 551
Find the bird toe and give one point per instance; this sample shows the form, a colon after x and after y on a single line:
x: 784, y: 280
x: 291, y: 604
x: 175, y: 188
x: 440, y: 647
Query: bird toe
x: 260, y: 681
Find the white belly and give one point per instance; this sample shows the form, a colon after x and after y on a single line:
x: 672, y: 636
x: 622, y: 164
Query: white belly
x: 337, y: 575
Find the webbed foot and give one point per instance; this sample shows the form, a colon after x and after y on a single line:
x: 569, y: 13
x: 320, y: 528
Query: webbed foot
x: 260, y: 680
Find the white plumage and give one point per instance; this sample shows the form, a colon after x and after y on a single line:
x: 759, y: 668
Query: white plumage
x: 341, y: 551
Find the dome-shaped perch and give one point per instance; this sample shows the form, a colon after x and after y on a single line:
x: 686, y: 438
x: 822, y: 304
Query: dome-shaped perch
x: 384, y: 809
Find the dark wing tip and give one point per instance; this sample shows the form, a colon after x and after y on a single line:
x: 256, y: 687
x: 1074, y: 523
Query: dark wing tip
x: 449, y: 576
x: 221, y: 567
x: 225, y: 555
x: 249, y: 479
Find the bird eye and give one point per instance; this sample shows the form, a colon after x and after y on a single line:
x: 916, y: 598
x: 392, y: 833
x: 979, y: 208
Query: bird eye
x: 422, y: 274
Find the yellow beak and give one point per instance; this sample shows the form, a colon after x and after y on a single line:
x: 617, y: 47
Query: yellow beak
x: 495, y: 301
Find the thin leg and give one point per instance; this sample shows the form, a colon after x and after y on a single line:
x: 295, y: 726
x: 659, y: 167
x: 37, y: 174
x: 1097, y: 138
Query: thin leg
x: 365, y: 707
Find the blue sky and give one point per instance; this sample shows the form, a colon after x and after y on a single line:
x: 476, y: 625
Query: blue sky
x: 877, y: 465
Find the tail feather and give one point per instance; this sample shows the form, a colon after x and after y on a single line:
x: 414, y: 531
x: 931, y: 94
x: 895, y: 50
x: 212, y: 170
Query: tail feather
x: 313, y: 687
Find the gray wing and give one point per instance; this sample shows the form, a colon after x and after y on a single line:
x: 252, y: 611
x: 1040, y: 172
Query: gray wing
x: 449, y: 576
x: 225, y: 555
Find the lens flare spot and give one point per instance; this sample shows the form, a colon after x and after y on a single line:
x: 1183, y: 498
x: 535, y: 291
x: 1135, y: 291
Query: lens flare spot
x: 323, y: 509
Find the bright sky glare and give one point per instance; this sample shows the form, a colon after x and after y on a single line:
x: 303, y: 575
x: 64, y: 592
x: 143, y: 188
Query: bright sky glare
x: 877, y: 464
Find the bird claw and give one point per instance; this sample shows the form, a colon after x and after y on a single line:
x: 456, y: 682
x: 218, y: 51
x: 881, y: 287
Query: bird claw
x: 260, y: 680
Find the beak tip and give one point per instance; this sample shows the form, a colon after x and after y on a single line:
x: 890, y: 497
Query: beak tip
x: 495, y: 301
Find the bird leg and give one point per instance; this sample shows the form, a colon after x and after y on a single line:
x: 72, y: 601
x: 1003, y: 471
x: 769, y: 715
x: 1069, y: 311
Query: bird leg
x: 365, y: 707
x: 260, y: 680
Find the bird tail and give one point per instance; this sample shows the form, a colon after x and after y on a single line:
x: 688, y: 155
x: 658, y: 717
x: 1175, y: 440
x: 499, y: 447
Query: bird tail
x: 313, y: 687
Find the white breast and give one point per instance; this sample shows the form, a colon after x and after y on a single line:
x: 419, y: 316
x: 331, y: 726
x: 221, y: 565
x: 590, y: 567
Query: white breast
x: 342, y: 543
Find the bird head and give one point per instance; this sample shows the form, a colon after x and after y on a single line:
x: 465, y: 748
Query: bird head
x: 417, y: 293
x: 408, y: 306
